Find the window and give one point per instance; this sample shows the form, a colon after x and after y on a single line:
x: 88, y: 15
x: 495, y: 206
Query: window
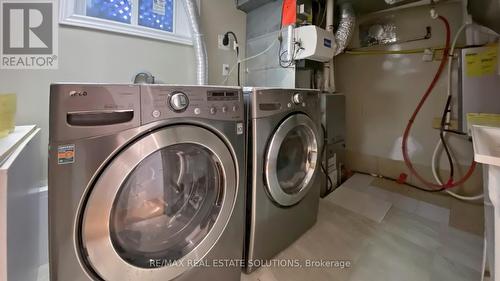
x: 159, y: 19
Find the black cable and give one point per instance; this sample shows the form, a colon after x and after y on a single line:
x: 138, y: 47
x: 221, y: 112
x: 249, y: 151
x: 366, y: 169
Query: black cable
x: 225, y: 42
x: 395, y: 180
x: 443, y: 139
x: 324, y: 15
x: 455, y: 132
x: 330, y: 182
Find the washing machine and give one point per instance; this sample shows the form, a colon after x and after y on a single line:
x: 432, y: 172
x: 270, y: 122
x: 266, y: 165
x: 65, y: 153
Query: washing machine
x: 146, y: 182
x: 284, y: 165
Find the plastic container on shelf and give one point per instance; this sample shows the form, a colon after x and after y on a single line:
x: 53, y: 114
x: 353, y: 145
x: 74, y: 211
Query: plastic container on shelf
x: 7, y: 114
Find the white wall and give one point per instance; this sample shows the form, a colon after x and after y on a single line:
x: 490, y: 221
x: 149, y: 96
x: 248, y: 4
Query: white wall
x: 218, y: 17
x: 383, y: 90
x: 87, y: 55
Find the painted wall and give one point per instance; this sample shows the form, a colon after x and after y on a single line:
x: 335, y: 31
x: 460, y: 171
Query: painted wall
x: 218, y: 17
x: 87, y: 55
x: 383, y: 90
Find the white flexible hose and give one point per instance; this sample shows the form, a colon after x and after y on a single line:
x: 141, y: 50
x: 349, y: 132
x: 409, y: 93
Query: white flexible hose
x: 247, y: 59
x: 440, y: 143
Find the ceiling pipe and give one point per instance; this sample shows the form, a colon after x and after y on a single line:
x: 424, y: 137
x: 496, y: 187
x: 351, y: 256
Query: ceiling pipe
x: 199, y: 45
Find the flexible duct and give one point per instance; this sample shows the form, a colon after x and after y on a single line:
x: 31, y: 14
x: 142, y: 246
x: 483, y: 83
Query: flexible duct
x: 344, y: 32
x: 200, y: 48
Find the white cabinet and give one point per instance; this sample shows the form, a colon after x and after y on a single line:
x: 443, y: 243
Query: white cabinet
x: 20, y: 179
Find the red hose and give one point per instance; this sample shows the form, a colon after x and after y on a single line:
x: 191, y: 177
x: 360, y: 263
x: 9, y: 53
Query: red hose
x: 450, y: 183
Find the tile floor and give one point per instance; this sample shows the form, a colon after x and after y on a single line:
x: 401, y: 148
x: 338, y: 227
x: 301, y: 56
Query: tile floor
x: 413, y: 242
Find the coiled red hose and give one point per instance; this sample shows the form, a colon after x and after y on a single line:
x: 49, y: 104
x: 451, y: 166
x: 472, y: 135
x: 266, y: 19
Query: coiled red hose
x: 451, y: 183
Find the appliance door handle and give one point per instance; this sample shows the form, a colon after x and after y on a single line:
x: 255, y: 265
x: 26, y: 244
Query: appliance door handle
x: 99, y: 118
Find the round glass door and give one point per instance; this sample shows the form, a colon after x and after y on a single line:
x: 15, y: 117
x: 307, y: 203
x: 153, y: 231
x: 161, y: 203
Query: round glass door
x: 167, y: 205
x: 164, y: 200
x: 292, y: 159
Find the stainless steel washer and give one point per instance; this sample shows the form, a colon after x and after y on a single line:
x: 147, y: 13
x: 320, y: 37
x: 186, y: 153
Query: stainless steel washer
x: 146, y: 182
x: 283, y: 154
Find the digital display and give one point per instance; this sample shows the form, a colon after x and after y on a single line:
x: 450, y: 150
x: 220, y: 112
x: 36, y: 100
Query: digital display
x: 222, y: 96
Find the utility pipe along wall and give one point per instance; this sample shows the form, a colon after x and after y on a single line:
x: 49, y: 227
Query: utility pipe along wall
x: 199, y: 45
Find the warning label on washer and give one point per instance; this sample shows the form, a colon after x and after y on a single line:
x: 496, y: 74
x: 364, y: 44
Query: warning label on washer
x: 66, y: 154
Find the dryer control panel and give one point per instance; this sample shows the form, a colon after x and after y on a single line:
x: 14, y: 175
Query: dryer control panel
x: 267, y: 102
x: 164, y: 101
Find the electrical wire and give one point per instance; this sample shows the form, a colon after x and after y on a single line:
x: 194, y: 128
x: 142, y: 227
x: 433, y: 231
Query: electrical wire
x: 442, y: 136
x: 324, y: 15
x: 407, y: 131
x: 237, y: 52
x: 330, y: 182
x: 397, y: 181
x: 248, y: 59
x: 444, y: 125
x: 396, y: 52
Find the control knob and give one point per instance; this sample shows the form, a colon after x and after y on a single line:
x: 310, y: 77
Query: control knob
x: 179, y: 101
x: 297, y: 98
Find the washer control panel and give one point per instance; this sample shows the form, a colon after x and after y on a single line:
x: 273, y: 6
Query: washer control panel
x: 217, y: 103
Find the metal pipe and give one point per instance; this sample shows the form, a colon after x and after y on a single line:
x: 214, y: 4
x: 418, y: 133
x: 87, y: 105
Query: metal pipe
x: 290, y: 49
x: 345, y: 31
x: 200, y: 48
x: 328, y: 66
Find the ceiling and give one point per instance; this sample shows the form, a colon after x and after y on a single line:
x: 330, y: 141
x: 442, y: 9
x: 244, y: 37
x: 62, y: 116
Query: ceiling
x: 486, y: 12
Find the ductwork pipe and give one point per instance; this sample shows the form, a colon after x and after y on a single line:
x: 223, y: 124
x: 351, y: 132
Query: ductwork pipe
x: 345, y: 31
x: 200, y: 48
x: 343, y: 37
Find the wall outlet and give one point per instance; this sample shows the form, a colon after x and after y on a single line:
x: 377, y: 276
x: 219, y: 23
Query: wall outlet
x: 225, y: 70
x: 220, y: 45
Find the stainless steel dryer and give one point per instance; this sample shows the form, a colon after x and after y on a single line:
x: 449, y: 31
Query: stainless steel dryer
x: 145, y: 182
x: 283, y: 153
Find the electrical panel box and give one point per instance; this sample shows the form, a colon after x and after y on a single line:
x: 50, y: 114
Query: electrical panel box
x: 314, y: 43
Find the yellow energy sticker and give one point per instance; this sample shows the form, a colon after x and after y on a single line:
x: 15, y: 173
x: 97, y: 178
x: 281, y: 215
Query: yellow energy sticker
x: 482, y: 63
x: 66, y: 154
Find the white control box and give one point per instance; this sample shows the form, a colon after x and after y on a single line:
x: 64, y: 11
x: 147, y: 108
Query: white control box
x: 314, y: 43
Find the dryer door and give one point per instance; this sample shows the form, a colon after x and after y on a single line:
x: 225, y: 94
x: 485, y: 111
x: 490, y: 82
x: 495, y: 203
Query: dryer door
x: 292, y: 159
x: 159, y: 206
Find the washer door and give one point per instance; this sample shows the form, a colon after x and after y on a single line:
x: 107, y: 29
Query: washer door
x: 159, y: 206
x: 291, y: 160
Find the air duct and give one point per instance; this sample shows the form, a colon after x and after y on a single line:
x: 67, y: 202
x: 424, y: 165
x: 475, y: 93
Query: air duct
x: 343, y: 37
x: 200, y: 48
x: 344, y: 32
